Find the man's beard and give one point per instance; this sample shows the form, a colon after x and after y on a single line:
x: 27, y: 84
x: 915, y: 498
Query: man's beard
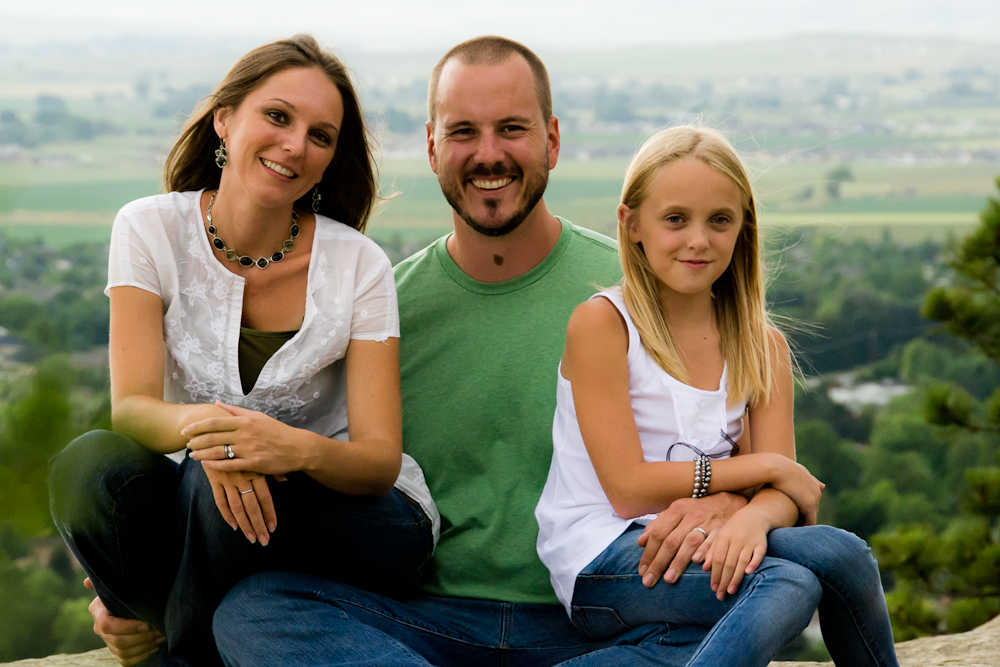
x: 533, y: 191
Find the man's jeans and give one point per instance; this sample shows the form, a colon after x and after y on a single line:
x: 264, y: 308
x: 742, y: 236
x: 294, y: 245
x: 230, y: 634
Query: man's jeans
x: 296, y: 620
x: 153, y: 542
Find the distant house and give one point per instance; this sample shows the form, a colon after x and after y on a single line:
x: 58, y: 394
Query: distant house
x: 13, y: 350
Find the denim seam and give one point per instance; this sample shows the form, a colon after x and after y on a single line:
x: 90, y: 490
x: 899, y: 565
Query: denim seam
x: 396, y: 619
x: 862, y: 629
x: 746, y: 596
x: 438, y: 633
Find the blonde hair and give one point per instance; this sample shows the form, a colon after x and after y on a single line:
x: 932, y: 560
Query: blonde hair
x: 349, y: 187
x: 739, y: 304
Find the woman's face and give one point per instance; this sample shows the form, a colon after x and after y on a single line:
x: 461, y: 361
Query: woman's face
x: 688, y: 225
x: 282, y: 137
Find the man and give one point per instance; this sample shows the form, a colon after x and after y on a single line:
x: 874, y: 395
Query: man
x: 483, y: 317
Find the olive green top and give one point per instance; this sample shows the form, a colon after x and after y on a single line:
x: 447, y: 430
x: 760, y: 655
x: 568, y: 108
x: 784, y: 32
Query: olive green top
x: 256, y: 347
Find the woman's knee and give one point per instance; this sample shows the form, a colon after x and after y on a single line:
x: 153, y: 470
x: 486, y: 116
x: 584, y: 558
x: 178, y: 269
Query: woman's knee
x: 93, y: 469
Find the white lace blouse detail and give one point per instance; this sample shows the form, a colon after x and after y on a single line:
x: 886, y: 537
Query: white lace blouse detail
x: 159, y: 244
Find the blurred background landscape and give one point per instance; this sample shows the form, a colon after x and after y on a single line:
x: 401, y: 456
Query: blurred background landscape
x: 874, y: 155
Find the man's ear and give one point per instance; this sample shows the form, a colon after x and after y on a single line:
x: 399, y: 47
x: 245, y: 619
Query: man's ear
x: 553, y: 139
x: 431, y: 155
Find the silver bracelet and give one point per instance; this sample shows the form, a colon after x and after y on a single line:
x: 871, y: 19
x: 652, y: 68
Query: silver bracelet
x: 702, y: 476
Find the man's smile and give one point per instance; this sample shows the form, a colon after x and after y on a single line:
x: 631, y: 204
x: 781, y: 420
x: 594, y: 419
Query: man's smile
x: 492, y: 184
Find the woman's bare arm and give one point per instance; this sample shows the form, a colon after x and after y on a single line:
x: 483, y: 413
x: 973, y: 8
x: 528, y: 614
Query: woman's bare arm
x: 136, y: 356
x: 368, y: 464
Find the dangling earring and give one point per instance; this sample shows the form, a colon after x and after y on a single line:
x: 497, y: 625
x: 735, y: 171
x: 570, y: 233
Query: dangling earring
x: 316, y: 197
x: 221, y: 154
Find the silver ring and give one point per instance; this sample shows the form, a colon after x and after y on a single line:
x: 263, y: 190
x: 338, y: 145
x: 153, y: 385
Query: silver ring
x: 229, y: 452
x: 700, y: 530
x: 243, y: 493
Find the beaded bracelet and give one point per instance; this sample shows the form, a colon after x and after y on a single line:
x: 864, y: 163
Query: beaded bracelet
x: 702, y: 476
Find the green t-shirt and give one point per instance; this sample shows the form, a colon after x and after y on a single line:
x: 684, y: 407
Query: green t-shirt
x: 479, y: 363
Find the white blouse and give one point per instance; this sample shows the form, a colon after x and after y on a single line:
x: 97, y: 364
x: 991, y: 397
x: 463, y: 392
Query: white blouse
x: 576, y: 521
x: 159, y: 244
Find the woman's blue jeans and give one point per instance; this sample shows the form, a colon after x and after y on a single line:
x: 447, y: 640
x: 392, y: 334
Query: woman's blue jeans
x: 150, y: 537
x: 805, y: 567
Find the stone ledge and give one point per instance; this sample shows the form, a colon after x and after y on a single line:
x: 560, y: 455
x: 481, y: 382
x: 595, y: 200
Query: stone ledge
x: 976, y: 648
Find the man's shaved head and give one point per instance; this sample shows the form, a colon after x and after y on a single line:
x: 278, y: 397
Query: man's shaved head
x: 492, y: 50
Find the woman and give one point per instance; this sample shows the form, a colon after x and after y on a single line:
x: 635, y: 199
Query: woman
x: 251, y: 328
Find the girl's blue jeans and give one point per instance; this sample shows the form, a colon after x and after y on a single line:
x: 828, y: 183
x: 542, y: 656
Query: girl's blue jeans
x: 805, y: 567
x: 151, y: 539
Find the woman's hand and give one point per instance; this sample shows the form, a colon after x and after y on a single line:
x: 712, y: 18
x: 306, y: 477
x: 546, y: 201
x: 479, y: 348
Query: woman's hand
x: 130, y: 641
x: 799, y: 484
x: 258, y: 443
x: 245, y: 502
x: 736, y: 550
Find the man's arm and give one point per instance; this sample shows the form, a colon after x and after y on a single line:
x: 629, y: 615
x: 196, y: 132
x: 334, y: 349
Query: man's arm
x: 671, y: 542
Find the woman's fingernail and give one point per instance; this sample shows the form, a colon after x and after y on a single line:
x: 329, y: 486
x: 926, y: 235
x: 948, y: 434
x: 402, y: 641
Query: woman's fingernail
x: 642, y: 569
x: 272, y: 525
x: 252, y: 538
x: 263, y: 540
x: 697, y: 557
x: 184, y: 431
x: 648, y: 580
x: 143, y: 628
x: 670, y: 576
x: 732, y: 589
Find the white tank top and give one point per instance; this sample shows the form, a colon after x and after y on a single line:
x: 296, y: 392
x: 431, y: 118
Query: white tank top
x: 575, y: 519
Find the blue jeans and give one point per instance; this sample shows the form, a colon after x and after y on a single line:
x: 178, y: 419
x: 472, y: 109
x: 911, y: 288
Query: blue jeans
x: 150, y: 537
x: 295, y: 620
x: 772, y: 606
x: 309, y: 621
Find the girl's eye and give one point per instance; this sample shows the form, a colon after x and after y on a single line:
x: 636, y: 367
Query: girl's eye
x: 322, y: 137
x: 720, y: 220
x: 277, y: 116
x: 675, y: 219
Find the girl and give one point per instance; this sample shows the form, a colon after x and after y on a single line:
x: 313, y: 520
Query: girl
x: 261, y: 334
x: 653, y: 387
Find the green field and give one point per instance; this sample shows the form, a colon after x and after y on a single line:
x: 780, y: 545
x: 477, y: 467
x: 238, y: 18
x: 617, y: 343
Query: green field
x: 67, y: 195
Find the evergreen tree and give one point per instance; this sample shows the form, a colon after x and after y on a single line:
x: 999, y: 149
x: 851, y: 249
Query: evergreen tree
x: 950, y: 580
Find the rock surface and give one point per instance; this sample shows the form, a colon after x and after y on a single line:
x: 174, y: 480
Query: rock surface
x: 976, y: 648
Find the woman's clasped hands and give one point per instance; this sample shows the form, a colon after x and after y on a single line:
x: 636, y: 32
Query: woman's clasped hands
x: 237, y: 452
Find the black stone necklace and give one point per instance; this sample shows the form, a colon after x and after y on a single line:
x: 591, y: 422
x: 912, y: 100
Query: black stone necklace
x: 287, y: 246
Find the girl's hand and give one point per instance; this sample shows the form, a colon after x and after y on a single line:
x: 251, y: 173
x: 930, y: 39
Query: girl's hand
x: 799, y: 484
x: 736, y: 550
x: 245, y: 502
x: 259, y: 443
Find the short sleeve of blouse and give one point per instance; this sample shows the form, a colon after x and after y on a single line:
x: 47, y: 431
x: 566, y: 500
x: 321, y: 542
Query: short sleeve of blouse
x: 376, y: 314
x: 130, y: 260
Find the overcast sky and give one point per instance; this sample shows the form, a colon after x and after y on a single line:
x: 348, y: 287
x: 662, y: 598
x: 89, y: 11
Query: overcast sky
x: 407, y: 25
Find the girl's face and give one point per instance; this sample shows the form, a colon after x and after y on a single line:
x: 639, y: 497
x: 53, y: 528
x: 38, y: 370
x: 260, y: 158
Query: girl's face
x: 688, y: 225
x: 283, y: 136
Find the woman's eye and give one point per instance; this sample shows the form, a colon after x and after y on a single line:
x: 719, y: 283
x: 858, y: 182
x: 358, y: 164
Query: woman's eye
x: 322, y: 138
x: 277, y: 116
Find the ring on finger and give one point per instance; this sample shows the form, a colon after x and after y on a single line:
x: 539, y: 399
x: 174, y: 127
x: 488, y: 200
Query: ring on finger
x: 229, y: 452
x: 243, y: 493
x: 700, y: 530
